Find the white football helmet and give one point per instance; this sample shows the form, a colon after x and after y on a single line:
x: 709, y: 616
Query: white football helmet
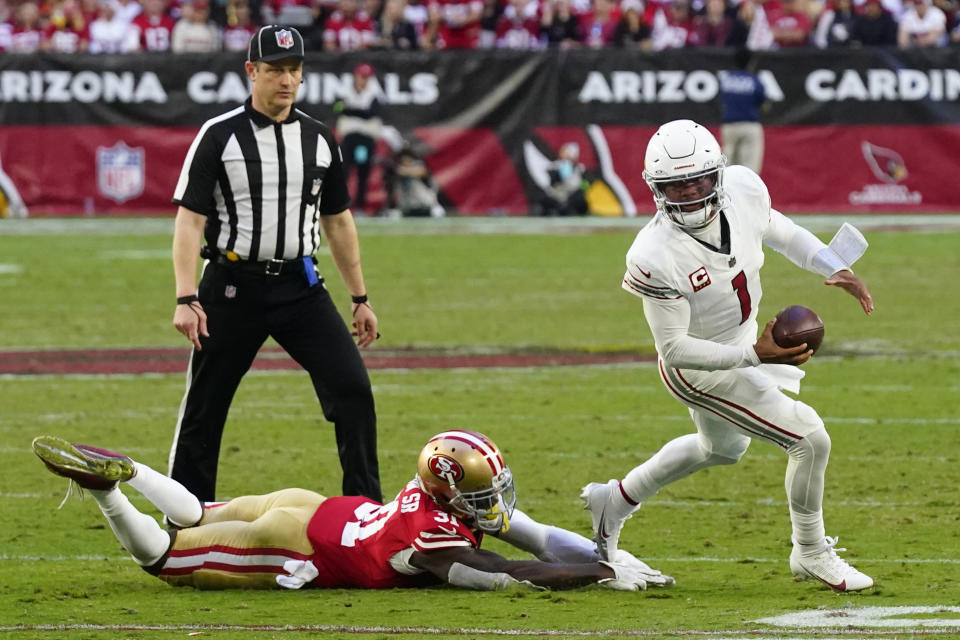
x: 463, y: 471
x: 679, y: 152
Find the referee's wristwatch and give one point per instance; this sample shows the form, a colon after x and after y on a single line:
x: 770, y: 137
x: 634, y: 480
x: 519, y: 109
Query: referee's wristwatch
x: 360, y: 299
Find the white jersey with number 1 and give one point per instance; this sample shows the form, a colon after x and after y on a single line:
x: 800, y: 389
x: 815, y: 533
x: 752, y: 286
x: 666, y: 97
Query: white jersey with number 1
x: 701, y: 305
x: 723, y: 290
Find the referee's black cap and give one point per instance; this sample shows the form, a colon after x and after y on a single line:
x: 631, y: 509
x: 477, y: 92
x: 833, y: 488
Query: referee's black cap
x: 274, y: 42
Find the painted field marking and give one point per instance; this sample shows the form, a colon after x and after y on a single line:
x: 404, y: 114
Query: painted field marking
x: 10, y: 269
x: 801, y: 634
x: 867, y: 617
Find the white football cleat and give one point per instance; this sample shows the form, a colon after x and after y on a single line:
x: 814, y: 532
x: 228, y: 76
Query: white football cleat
x: 829, y: 568
x: 606, y: 529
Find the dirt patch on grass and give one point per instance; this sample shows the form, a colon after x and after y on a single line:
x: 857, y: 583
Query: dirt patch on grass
x: 174, y: 360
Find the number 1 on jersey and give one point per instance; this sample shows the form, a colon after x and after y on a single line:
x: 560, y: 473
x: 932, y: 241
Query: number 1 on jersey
x: 740, y: 286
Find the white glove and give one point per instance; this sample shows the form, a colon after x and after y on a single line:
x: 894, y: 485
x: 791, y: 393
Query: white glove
x: 652, y: 577
x: 299, y: 573
x: 628, y: 578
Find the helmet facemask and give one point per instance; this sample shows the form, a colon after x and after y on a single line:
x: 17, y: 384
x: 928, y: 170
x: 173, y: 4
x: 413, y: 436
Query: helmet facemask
x: 489, y: 509
x: 679, y: 211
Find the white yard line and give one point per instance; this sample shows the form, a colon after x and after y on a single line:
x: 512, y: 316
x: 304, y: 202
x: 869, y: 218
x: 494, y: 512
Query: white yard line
x: 752, y: 634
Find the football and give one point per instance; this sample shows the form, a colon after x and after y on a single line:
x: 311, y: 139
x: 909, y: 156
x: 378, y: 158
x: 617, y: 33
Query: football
x: 796, y: 325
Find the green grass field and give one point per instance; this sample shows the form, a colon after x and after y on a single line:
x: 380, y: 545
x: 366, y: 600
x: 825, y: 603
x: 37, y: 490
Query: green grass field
x: 887, y: 387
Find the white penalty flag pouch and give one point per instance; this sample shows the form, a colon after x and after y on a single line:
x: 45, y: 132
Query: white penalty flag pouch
x: 849, y: 244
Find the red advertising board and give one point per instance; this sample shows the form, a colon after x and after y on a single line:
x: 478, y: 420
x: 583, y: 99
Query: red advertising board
x: 848, y: 168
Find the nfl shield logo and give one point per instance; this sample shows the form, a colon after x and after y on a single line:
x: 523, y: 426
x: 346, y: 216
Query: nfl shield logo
x: 120, y: 172
x: 284, y: 38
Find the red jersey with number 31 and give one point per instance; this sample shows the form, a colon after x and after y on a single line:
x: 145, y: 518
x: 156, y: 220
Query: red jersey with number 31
x: 354, y: 538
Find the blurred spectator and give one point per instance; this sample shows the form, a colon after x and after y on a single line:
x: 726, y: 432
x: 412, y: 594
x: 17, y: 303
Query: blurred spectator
x: 90, y: 9
x: 110, y: 35
x: 519, y: 26
x: 873, y: 27
x: 454, y: 24
x: 751, y: 28
x: 581, y: 8
x: 240, y: 27
x: 127, y: 10
x: 894, y: 7
x: 348, y: 29
x: 67, y: 30
x: 713, y: 27
x: 791, y: 24
x: 154, y: 27
x: 416, y: 13
x: 951, y: 9
x: 598, y: 26
x: 27, y: 33
x: 358, y: 128
x: 6, y: 25
x: 742, y: 97
x: 558, y: 24
x: 835, y: 26
x: 411, y: 190
x: 295, y: 13
x: 195, y: 32
x: 492, y: 12
x: 672, y: 27
x: 373, y: 9
x: 632, y: 32
x: 393, y: 30
x: 564, y: 195
x: 922, y: 25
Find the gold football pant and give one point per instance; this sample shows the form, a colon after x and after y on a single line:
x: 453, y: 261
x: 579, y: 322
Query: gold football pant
x: 243, y: 544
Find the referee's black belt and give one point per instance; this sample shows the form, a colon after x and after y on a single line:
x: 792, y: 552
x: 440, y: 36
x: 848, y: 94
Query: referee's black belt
x: 270, y: 267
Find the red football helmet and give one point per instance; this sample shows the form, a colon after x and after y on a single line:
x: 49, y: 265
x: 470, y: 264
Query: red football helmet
x: 464, y: 472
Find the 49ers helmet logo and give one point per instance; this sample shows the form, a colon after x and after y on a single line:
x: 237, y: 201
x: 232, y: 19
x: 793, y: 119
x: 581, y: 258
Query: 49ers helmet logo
x: 445, y: 467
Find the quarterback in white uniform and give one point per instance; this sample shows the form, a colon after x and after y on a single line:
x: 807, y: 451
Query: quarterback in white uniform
x: 696, y: 266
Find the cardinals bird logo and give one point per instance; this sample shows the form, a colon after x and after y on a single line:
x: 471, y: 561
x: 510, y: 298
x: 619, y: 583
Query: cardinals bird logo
x: 604, y: 190
x: 887, y: 165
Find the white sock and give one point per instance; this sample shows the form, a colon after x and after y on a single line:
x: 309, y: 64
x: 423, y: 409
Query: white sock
x: 548, y: 543
x: 804, y: 485
x: 808, y: 532
x: 677, y: 459
x: 181, y: 507
x: 139, y: 534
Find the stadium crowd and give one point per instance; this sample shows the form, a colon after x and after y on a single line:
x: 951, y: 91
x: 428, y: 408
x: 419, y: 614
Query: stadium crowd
x: 123, y: 26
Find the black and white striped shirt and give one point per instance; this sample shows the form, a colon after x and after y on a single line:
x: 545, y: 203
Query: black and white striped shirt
x: 263, y: 184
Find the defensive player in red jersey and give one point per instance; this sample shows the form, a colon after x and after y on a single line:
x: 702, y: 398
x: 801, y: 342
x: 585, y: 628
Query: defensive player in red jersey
x: 429, y: 534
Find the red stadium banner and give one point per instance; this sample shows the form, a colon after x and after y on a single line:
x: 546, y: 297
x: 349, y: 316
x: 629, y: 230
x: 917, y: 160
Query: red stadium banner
x: 867, y: 131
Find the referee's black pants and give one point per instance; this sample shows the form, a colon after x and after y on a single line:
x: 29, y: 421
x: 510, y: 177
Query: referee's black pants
x: 243, y: 308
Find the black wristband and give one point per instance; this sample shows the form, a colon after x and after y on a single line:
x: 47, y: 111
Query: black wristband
x: 188, y: 299
x: 359, y: 299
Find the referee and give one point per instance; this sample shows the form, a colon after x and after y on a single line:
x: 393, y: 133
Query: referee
x: 257, y: 186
